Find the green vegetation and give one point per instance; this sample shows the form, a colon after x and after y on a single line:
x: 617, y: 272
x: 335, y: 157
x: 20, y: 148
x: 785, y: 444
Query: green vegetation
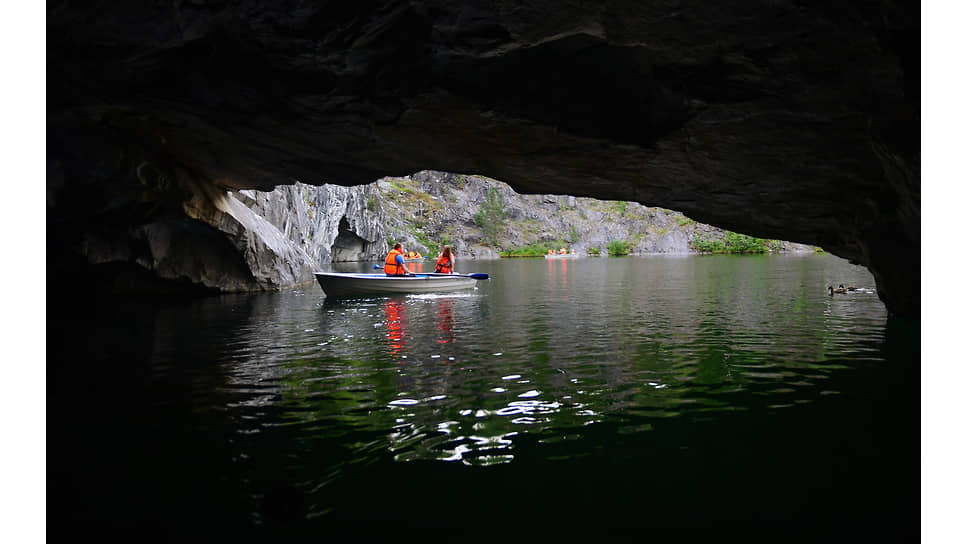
x: 733, y: 243
x: 410, y: 198
x: 530, y: 226
x: 421, y: 213
x: 741, y: 243
x: 708, y: 245
x: 537, y: 249
x: 432, y: 248
x: 491, y: 216
x: 619, y: 247
x: 310, y: 205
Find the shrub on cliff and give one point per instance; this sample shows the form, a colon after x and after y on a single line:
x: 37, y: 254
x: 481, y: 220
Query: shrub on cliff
x: 490, y: 217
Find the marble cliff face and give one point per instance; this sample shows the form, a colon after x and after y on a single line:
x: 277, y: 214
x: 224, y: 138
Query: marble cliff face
x: 797, y: 121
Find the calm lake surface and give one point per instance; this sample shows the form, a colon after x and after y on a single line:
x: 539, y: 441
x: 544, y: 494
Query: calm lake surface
x: 642, y: 391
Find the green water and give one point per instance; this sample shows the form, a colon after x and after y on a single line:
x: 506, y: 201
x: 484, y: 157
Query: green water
x: 640, y: 391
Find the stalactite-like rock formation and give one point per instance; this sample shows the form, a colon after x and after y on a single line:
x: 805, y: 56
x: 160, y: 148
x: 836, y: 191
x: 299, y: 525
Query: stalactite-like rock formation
x: 789, y: 120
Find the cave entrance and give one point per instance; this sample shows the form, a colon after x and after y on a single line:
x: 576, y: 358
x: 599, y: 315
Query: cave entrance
x: 348, y: 247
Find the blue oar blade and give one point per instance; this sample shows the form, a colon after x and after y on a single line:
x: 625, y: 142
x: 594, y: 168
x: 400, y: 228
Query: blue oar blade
x: 478, y: 276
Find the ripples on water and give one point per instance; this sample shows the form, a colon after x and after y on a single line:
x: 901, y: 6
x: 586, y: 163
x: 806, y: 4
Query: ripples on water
x: 517, y: 372
x: 456, y: 376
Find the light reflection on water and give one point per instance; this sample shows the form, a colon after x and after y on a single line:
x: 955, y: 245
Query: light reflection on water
x: 526, y: 367
x: 552, y: 347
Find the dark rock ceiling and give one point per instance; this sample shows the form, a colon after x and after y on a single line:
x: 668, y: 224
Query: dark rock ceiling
x: 796, y: 120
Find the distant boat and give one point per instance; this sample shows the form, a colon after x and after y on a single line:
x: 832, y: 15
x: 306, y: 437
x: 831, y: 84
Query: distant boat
x: 336, y: 284
x: 562, y: 256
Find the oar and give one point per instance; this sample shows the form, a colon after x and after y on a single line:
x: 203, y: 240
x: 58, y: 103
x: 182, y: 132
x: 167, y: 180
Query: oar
x: 476, y: 276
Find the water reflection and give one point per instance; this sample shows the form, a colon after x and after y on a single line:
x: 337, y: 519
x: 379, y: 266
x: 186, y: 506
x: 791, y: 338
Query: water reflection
x: 395, y: 311
x: 677, y: 340
x: 445, y: 321
x: 558, y: 268
x: 300, y: 388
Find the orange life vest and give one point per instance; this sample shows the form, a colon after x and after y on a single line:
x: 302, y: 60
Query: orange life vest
x: 391, y: 267
x: 444, y: 265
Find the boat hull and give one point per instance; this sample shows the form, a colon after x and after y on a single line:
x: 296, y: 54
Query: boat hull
x: 566, y: 256
x: 336, y: 284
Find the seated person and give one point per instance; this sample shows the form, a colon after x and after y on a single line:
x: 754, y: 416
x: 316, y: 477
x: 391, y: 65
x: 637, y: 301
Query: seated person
x: 445, y: 263
x: 395, y: 264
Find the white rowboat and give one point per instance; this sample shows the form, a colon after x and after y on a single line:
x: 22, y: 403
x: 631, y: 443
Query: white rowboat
x: 341, y: 284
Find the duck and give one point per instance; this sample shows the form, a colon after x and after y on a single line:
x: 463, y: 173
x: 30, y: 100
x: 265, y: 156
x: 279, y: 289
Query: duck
x: 849, y: 287
x: 831, y: 289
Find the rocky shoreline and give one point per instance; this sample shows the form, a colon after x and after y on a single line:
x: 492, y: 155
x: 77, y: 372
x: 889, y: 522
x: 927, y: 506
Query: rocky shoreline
x: 332, y: 223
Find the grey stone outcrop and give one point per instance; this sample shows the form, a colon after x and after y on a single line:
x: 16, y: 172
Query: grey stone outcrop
x: 330, y: 223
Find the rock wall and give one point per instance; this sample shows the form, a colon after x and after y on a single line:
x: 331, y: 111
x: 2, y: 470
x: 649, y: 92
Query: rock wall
x: 439, y: 207
x: 780, y: 119
x: 261, y: 240
x: 330, y: 223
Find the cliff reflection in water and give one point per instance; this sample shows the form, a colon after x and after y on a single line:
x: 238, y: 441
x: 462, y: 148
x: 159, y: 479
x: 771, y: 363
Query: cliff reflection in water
x: 694, y: 374
x: 462, y: 374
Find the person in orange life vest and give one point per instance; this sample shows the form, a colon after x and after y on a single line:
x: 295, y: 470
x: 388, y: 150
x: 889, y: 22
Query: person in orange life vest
x: 395, y: 264
x: 563, y: 251
x: 445, y: 263
x: 551, y: 252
